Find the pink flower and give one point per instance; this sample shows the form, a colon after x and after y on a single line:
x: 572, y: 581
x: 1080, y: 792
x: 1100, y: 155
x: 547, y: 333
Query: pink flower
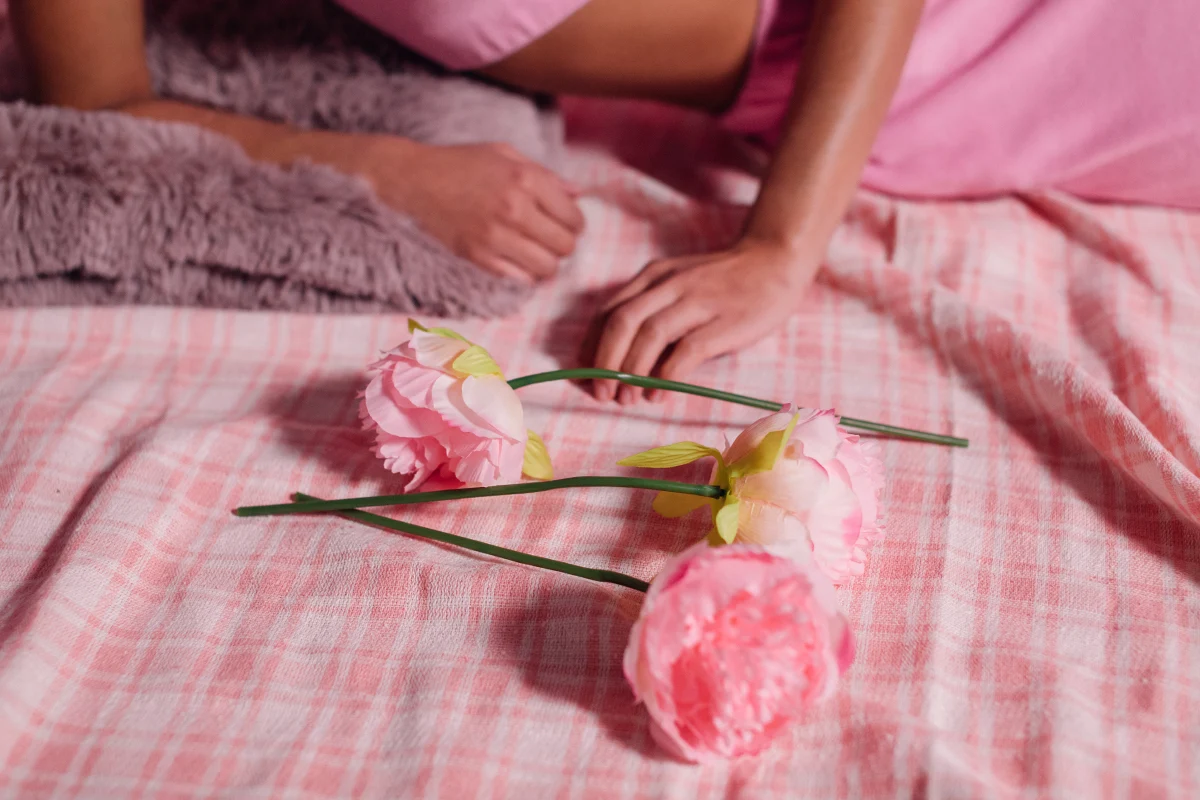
x: 733, y: 643
x: 822, y: 493
x: 439, y: 405
x: 797, y: 484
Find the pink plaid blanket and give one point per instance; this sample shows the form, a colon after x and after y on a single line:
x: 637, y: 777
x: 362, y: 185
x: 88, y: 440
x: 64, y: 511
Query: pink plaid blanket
x: 1030, y: 627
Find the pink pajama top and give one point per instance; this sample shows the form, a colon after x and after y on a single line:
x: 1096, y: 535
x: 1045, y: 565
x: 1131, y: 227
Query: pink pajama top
x: 1100, y: 98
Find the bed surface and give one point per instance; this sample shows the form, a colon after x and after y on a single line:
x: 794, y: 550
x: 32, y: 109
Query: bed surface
x: 1029, y: 627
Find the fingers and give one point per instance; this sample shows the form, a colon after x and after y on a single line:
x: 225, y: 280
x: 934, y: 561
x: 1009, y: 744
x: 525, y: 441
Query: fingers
x: 620, y: 330
x: 557, y: 201
x: 698, y: 346
x: 506, y: 269
x: 554, y: 196
x: 650, y: 275
x: 538, y: 208
x: 526, y: 254
x: 655, y: 336
x: 547, y: 232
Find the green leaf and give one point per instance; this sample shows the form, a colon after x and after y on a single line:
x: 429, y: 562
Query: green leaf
x: 764, y: 457
x: 537, y: 459
x: 727, y: 520
x: 672, y: 505
x: 475, y: 361
x: 671, y: 455
x: 449, y: 334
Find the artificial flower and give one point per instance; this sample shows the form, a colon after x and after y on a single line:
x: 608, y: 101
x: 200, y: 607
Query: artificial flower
x: 439, y: 406
x: 733, y: 644
x: 796, y: 483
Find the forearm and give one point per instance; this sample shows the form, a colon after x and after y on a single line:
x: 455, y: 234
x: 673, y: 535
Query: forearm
x: 856, y: 52
x: 268, y: 141
x: 90, y: 55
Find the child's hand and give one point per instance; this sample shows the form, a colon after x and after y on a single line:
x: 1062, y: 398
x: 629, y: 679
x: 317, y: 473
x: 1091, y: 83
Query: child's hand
x: 681, y: 311
x: 487, y: 203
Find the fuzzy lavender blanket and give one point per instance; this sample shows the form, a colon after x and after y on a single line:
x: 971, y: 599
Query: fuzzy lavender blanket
x: 100, y: 208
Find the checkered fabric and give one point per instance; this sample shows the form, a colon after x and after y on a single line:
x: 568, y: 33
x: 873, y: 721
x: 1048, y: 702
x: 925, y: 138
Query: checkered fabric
x: 1030, y: 627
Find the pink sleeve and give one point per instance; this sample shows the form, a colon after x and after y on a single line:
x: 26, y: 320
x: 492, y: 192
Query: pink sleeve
x: 464, y: 34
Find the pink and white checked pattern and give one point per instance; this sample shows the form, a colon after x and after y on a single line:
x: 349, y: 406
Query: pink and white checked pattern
x: 1030, y: 627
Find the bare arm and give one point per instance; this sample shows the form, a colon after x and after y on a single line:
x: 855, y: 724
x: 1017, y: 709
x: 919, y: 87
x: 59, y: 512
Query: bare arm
x: 91, y: 56
x: 681, y: 311
x: 857, y: 51
x: 486, y: 203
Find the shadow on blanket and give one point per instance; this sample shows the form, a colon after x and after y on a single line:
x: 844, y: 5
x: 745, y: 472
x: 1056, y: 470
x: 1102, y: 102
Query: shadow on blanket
x: 568, y: 640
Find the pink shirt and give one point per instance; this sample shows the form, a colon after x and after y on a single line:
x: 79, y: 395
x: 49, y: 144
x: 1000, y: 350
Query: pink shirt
x: 1096, y: 97
x: 1100, y: 98
x: 464, y: 34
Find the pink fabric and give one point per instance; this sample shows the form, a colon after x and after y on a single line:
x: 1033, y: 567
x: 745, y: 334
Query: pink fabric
x: 464, y: 34
x: 1027, y: 628
x: 1097, y: 99
x: 1094, y: 98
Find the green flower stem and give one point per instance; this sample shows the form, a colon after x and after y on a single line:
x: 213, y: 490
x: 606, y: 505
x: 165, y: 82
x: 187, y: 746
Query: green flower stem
x: 646, y: 382
x: 313, y: 506
x: 599, y: 575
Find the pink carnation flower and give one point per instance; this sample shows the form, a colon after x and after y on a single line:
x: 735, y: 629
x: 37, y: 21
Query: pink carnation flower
x: 821, y: 496
x: 732, y: 645
x: 439, y: 405
x: 797, y: 484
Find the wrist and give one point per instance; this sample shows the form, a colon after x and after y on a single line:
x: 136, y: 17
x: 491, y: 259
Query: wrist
x: 796, y: 250
x: 793, y: 263
x: 350, y: 154
x: 802, y: 245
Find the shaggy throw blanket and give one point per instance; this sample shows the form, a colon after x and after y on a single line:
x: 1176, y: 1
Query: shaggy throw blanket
x: 101, y: 208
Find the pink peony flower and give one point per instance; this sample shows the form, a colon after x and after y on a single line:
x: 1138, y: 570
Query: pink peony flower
x: 439, y: 405
x: 798, y: 484
x: 732, y: 644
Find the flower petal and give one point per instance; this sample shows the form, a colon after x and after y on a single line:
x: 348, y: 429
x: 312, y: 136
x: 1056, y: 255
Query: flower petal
x: 413, y: 325
x: 754, y: 434
x: 819, y: 436
x: 419, y: 458
x: 480, y: 466
x: 447, y: 400
x: 835, y: 525
x: 732, y: 644
x: 495, y: 403
x: 775, y: 529
x: 412, y: 383
x: 385, y: 413
x: 432, y: 350
x: 512, y: 461
x: 794, y: 485
x: 475, y: 361
x: 866, y: 476
x: 763, y: 456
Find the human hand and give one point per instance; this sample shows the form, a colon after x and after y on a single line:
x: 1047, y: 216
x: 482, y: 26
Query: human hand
x: 486, y: 203
x: 680, y: 312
